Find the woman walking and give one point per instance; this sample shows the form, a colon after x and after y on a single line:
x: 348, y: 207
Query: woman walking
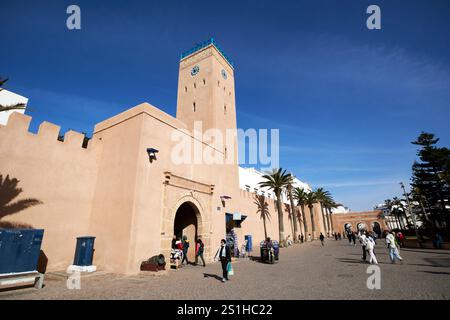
x: 370, y: 247
x: 199, y: 249
x: 224, y: 255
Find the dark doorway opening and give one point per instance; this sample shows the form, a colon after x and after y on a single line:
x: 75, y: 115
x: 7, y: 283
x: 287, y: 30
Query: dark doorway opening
x: 186, y: 224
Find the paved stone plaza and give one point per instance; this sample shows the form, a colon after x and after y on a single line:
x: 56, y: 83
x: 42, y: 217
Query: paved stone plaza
x: 306, y: 271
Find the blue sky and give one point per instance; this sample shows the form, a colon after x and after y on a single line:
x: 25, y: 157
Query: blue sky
x: 347, y: 100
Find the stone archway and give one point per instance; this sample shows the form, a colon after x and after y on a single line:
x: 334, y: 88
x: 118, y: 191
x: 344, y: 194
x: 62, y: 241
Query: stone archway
x: 194, y: 223
x: 186, y: 225
x: 361, y: 226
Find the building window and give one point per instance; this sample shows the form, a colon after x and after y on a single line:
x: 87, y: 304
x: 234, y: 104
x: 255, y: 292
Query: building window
x: 225, y: 109
x: 185, y: 89
x: 218, y: 83
x: 195, y: 106
x: 195, y: 85
x: 224, y: 89
x: 204, y: 82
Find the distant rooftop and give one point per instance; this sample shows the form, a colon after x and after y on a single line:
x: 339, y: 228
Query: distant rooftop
x: 203, y: 45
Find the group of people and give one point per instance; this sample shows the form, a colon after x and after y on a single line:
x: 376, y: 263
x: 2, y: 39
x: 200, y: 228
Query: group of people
x: 180, y: 250
x: 368, y: 243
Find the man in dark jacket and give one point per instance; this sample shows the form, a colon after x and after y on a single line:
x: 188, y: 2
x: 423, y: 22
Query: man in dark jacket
x: 224, y: 255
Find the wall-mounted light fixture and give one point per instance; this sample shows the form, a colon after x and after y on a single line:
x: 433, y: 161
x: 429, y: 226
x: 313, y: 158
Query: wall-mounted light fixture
x: 152, y: 154
x: 223, y: 199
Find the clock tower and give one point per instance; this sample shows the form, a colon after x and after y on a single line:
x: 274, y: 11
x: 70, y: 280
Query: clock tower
x: 206, y: 88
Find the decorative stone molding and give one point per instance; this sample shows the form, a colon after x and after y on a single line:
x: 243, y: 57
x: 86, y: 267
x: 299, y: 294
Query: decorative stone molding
x: 181, y: 182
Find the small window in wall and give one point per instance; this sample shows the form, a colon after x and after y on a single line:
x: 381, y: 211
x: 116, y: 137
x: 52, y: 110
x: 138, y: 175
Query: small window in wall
x: 225, y: 109
x: 195, y: 85
x: 218, y: 83
x: 195, y: 106
x: 204, y: 81
x: 185, y: 89
x: 226, y: 151
x: 224, y: 89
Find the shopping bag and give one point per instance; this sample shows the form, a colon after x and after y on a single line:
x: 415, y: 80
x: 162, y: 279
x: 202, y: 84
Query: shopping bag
x: 230, y: 269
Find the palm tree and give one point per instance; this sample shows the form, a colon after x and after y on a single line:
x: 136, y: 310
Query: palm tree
x: 8, y: 192
x: 328, y: 205
x: 300, y: 196
x: 289, y: 188
x: 310, y: 200
x: 263, y: 210
x: 322, y: 196
x: 277, y: 181
x: 19, y: 106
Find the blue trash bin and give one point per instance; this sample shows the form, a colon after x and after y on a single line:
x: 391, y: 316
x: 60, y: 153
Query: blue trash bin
x: 249, y: 246
x: 84, y: 252
x: 20, y: 250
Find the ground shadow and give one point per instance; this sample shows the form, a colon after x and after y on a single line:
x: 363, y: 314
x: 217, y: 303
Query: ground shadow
x: 436, y: 272
x: 215, y: 276
x: 434, y: 251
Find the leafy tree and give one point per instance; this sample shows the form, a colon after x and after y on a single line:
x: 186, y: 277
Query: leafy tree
x: 430, y: 179
x: 322, y: 196
x: 18, y: 106
x: 263, y: 210
x: 310, y: 200
x: 277, y: 181
x: 289, y: 188
x: 300, y: 197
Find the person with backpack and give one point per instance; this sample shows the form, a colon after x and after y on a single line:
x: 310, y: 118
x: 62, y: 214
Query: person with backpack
x: 363, y: 242
x: 322, y: 239
x: 185, y: 249
x: 199, y: 249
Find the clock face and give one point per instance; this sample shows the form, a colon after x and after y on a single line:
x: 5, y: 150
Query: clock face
x: 195, y: 70
x: 224, y: 74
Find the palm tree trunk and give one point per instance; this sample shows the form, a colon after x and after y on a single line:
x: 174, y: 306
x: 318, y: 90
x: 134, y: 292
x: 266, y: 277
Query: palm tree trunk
x: 280, y: 220
x: 265, y: 229
x: 331, y: 218
x: 305, y: 224
x: 294, y: 220
x: 313, y: 225
x: 323, y: 219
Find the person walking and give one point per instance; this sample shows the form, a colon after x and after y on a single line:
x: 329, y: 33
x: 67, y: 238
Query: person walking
x: 302, y: 238
x: 393, y: 250
x: 185, y: 243
x: 354, y: 238
x: 349, y: 236
x: 322, y: 239
x: 223, y: 254
x: 370, y: 247
x: 199, y: 249
x: 363, y: 242
x: 335, y: 236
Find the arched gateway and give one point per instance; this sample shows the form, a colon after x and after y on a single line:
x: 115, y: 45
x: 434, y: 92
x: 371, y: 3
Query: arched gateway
x: 185, y: 218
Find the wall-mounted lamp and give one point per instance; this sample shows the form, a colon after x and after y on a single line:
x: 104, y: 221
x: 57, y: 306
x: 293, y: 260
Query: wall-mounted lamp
x: 223, y: 199
x: 152, y: 154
